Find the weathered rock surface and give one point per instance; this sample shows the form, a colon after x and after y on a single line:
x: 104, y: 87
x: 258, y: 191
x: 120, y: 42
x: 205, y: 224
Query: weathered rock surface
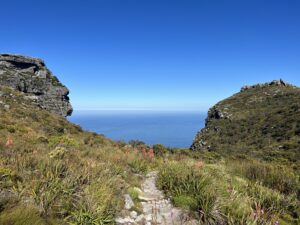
x: 262, y: 85
x: 128, y: 202
x: 32, y: 77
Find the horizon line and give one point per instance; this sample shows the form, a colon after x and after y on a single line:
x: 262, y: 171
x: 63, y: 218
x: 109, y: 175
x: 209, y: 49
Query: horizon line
x: 137, y: 109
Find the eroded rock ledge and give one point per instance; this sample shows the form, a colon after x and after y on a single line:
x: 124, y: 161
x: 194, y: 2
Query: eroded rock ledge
x: 262, y: 85
x: 32, y: 77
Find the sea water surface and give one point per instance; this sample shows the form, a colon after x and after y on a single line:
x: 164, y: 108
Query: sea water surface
x: 170, y: 128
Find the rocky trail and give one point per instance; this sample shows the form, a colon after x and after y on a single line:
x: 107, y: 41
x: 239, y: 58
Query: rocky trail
x: 156, y: 209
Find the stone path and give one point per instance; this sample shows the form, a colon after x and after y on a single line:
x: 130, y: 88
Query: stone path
x: 156, y: 208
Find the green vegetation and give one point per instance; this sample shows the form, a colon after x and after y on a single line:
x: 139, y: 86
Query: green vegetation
x: 261, y: 122
x: 52, y: 172
x: 273, y: 175
x: 215, y: 194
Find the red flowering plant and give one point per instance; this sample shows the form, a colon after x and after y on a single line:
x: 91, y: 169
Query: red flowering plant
x: 9, y: 142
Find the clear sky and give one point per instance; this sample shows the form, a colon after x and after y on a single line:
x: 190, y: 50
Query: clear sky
x: 156, y: 54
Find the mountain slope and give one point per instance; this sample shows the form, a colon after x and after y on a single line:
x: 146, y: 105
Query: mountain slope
x: 53, y: 172
x: 261, y: 121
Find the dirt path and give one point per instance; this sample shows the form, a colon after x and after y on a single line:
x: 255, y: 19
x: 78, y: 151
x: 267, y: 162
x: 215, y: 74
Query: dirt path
x: 156, y: 208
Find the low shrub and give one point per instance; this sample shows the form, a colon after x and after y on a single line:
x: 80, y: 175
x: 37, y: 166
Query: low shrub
x: 138, y: 165
x: 278, y: 177
x: 22, y: 215
x: 191, y: 189
x: 218, y: 197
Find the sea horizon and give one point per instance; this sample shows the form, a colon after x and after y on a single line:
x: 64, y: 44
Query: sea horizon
x: 172, y: 128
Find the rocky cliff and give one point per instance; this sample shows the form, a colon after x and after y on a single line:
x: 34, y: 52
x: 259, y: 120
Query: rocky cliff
x: 32, y: 77
x: 261, y: 120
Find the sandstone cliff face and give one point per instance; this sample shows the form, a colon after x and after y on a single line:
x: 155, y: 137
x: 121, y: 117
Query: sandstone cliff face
x: 261, y: 119
x: 32, y: 77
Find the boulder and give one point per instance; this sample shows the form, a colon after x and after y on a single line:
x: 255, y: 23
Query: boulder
x: 32, y: 77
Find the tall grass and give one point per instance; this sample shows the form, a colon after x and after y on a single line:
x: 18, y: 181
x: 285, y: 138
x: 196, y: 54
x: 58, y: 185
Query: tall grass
x: 193, y: 190
x: 72, y: 177
x: 276, y: 176
x: 52, y: 172
x: 218, y: 197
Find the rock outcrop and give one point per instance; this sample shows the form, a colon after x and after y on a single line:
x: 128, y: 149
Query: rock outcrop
x: 32, y: 77
x: 268, y: 84
x: 260, y: 120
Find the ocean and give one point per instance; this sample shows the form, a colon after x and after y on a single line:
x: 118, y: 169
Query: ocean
x: 172, y: 129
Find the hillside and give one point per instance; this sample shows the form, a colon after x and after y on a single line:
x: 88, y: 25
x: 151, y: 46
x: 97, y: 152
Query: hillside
x: 261, y: 121
x: 52, y: 172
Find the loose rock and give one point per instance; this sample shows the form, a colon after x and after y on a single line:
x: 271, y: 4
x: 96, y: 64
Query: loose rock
x: 156, y: 208
x: 128, y: 202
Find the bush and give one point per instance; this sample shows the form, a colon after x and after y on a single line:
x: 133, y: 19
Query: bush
x: 159, y: 150
x: 278, y: 177
x: 62, y: 141
x: 85, y: 216
x: 22, y: 215
x: 184, y: 201
x: 134, y: 194
x: 217, y: 197
x: 138, y: 165
x: 192, y: 189
x: 137, y: 143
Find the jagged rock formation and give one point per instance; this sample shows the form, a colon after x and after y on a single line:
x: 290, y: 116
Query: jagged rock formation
x: 260, y: 120
x: 32, y: 77
x: 272, y: 83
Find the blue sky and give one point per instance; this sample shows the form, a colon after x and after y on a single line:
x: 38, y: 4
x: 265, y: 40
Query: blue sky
x: 156, y: 54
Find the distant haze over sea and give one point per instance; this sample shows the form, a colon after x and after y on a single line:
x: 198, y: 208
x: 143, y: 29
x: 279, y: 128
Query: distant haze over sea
x: 170, y: 128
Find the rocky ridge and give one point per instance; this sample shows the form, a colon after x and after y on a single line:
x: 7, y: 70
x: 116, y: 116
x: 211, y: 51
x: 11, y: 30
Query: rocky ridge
x: 36, y: 81
x: 279, y: 82
x: 262, y: 116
